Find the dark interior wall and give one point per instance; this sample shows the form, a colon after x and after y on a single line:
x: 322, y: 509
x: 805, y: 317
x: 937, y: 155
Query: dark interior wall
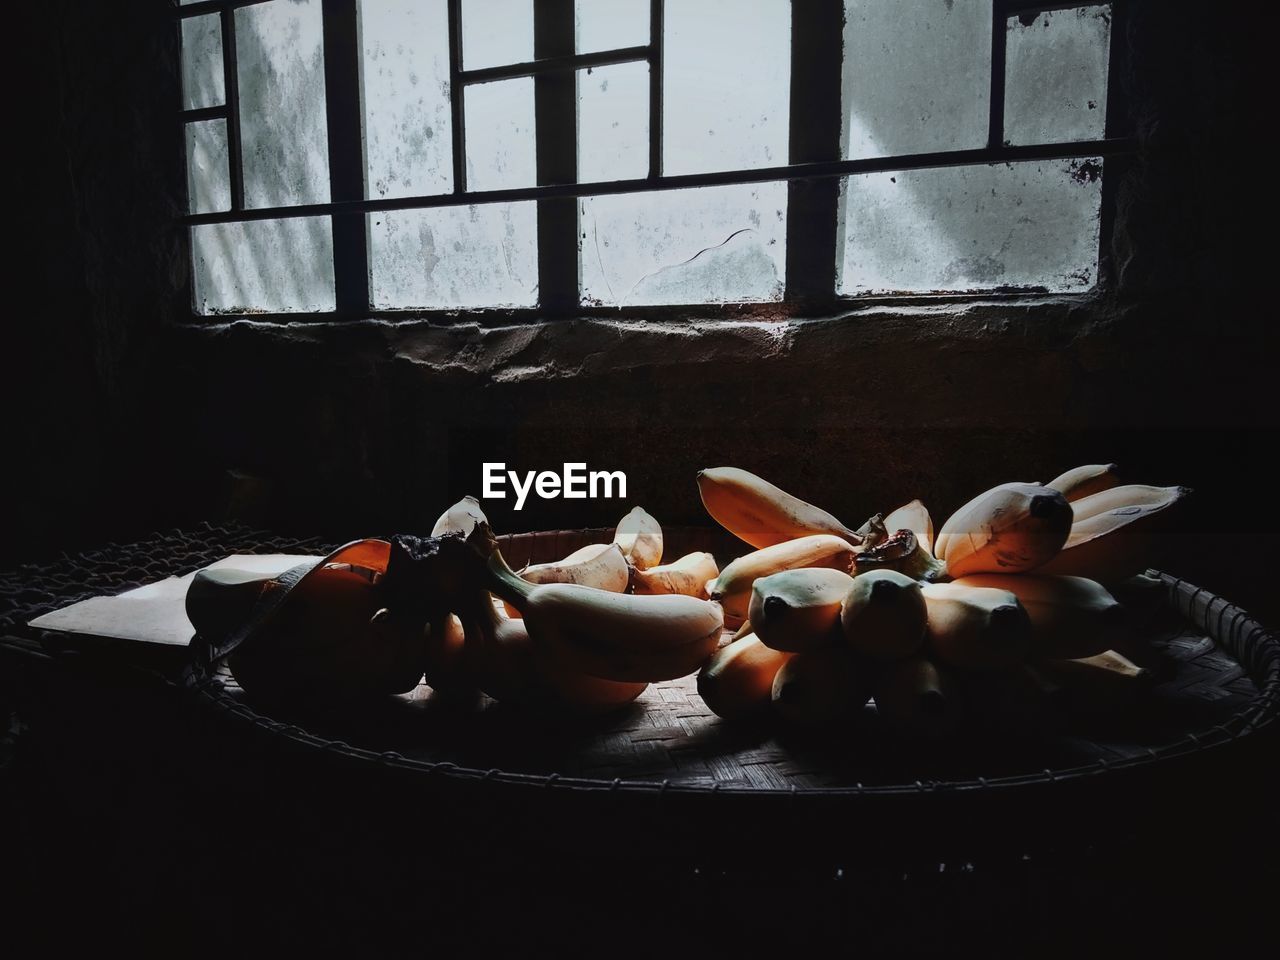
x: 131, y: 413
x: 99, y: 274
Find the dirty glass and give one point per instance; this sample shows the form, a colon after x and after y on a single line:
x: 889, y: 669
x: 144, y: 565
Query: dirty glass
x: 404, y: 75
x: 454, y: 257
x: 1024, y: 225
x: 917, y: 76
x: 202, y: 77
x: 703, y: 245
x: 726, y: 84
x: 610, y: 24
x: 264, y: 266
x: 613, y: 122
x: 208, y: 176
x: 1056, y: 75
x: 499, y: 134
x: 496, y: 33
x: 283, y: 127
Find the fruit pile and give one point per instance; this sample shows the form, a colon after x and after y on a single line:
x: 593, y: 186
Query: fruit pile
x: 1005, y: 600
x: 826, y: 617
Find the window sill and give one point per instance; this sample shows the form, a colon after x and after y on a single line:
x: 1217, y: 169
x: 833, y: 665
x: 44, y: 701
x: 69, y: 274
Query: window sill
x: 507, y: 348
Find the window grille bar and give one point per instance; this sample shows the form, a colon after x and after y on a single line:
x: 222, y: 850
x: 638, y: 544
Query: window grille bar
x: 231, y: 86
x: 455, y: 98
x: 556, y: 125
x: 344, y: 115
x: 212, y: 6
x: 656, y: 47
x: 204, y: 113
x: 817, y: 37
x: 801, y: 171
x: 999, y: 36
x: 566, y: 63
x: 1012, y: 8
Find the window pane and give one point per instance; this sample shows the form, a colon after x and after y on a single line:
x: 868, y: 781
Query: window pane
x: 455, y: 257
x: 971, y: 228
x: 499, y: 135
x: 264, y: 266
x: 705, y: 245
x: 726, y: 84
x: 208, y: 176
x: 283, y: 130
x: 917, y: 76
x: 613, y: 122
x: 1056, y: 79
x: 496, y: 33
x: 611, y: 24
x: 202, y: 78
x: 408, y: 127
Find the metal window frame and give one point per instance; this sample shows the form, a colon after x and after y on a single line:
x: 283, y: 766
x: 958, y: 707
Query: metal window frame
x: 813, y: 171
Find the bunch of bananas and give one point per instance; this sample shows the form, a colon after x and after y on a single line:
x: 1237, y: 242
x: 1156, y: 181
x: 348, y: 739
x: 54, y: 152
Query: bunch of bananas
x: 1009, y: 592
x: 1009, y: 596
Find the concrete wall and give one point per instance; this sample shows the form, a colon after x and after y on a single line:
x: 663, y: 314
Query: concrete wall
x: 131, y: 413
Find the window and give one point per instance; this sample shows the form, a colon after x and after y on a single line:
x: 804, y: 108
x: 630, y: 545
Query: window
x: 348, y: 158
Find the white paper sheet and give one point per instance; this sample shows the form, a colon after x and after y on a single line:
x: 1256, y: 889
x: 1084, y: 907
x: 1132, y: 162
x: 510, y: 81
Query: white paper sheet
x: 156, y: 612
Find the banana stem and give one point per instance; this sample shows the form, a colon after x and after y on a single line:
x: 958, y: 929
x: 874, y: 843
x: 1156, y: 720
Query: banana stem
x: 505, y: 583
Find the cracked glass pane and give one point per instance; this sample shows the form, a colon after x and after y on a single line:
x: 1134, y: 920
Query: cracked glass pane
x: 726, y: 85
x: 408, y: 126
x: 611, y: 24
x: 264, y: 266
x: 499, y: 134
x: 202, y: 78
x: 454, y: 257
x: 917, y: 76
x: 283, y: 125
x: 1056, y: 75
x: 496, y: 33
x: 955, y: 229
x: 613, y: 123
x: 704, y: 245
x: 208, y: 176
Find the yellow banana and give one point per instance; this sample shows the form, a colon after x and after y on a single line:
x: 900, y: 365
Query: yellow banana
x: 461, y: 518
x: 1009, y: 529
x: 733, y: 587
x: 1084, y: 481
x: 1070, y: 616
x: 688, y: 575
x: 604, y: 569
x: 756, y: 511
x: 914, y: 517
x: 614, y: 636
x: 1101, y: 682
x: 913, y: 697
x: 798, y: 610
x: 640, y: 538
x: 883, y: 615
x: 1132, y: 497
x: 446, y: 663
x: 820, y: 687
x: 508, y: 666
x: 1116, y: 540
x: 978, y: 628
x: 738, y: 679
x: 586, y: 553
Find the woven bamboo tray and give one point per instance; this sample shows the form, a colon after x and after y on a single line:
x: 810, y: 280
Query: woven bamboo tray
x: 1218, y: 681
